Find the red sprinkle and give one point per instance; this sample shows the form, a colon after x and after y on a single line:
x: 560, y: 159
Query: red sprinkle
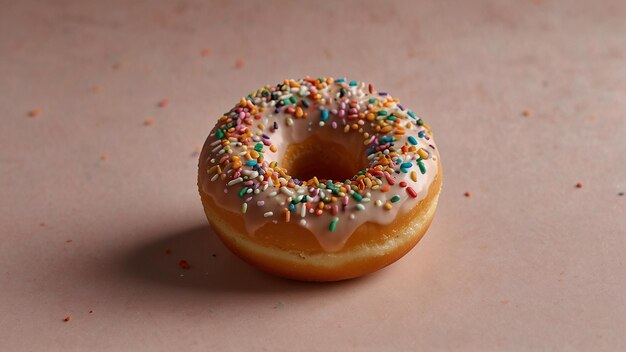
x: 164, y: 102
x: 579, y: 185
x: 467, y: 194
x: 411, y: 192
x: 370, y: 87
x: 67, y: 318
x: 402, y: 184
x: 389, y: 179
x: 184, y: 264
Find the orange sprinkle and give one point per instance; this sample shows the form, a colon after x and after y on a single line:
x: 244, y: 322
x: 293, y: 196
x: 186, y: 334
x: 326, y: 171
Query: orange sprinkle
x: 385, y: 188
x: 35, y: 112
x: 467, y: 194
x: 67, y: 318
x: 148, y: 122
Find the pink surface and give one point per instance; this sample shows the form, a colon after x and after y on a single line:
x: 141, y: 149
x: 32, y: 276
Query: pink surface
x: 528, y: 262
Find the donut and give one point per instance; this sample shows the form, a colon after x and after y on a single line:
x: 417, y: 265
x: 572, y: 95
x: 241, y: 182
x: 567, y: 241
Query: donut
x: 319, y: 179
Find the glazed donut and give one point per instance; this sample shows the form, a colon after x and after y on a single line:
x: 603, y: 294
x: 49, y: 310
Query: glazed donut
x: 319, y: 179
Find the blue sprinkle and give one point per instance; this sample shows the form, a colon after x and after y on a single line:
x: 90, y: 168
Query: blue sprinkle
x: 412, y: 140
x: 406, y: 165
x: 251, y: 162
x: 275, y: 125
x: 324, y: 115
x: 305, y: 103
x: 340, y: 80
x: 292, y: 207
x: 353, y: 83
x: 421, y: 134
x: 411, y: 114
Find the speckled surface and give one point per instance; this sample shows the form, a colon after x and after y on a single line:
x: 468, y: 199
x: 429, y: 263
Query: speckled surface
x: 528, y: 262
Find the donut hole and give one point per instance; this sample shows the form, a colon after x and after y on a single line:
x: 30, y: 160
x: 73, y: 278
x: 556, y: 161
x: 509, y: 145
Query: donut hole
x: 325, y: 158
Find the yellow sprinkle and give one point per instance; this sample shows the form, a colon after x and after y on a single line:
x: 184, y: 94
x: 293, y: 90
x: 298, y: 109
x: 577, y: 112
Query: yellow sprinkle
x: 422, y: 153
x: 254, y: 154
x: 236, y: 165
x: 387, y: 206
x: 243, y: 102
x: 273, y: 148
x: 219, y: 169
x: 320, y: 205
x: 414, y: 176
x: 261, y: 126
x: 346, y: 129
x: 299, y: 112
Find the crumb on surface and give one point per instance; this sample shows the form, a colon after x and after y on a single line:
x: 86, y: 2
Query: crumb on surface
x: 104, y: 157
x: 148, y: 122
x: 239, y: 63
x: 34, y: 112
x: 205, y: 52
x: 579, y: 185
x: 527, y: 113
x: 68, y: 241
x: 168, y: 251
x: 67, y: 318
x: 163, y: 102
x: 467, y: 194
x: 184, y: 264
x: 620, y: 194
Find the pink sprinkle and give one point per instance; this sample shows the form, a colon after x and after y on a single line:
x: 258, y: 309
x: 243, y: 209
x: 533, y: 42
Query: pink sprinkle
x: 345, y: 200
x: 260, y: 203
x: 389, y: 179
x: 334, y: 209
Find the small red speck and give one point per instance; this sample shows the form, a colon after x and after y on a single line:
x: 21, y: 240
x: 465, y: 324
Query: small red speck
x: 467, y: 194
x: 43, y: 224
x: 68, y: 241
x: 164, y: 102
x: 67, y: 318
x: 239, y: 64
x: 34, y: 112
x: 91, y: 312
x: 168, y: 251
x: 148, y: 122
x: 579, y: 185
x: 205, y: 52
x: 184, y: 264
x: 104, y: 157
x: 116, y: 66
x: 527, y: 113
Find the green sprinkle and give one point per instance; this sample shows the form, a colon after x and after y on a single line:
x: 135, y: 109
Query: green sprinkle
x: 372, y: 100
x: 357, y: 196
x: 333, y: 224
x: 220, y: 134
x: 342, y: 92
x: 258, y: 147
x: 420, y: 122
x: 421, y: 166
x: 243, y: 191
x: 395, y: 199
x: 412, y: 140
x: 286, y: 101
x: 353, y: 83
x: 391, y: 118
x: 338, y: 80
x: 382, y: 112
x: 293, y: 100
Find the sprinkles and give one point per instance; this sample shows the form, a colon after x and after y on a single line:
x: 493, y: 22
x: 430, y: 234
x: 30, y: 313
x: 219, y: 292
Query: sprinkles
x: 395, y: 141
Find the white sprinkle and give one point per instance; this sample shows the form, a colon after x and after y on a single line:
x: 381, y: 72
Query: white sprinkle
x: 214, y: 177
x: 302, y: 210
x: 352, y: 216
x: 215, y: 142
x: 268, y: 214
x: 378, y: 203
x: 360, y: 207
x: 273, y: 194
x: 235, y: 181
x: 302, y: 222
x: 286, y: 191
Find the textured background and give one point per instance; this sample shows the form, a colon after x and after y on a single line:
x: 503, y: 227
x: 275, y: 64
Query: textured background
x: 528, y: 262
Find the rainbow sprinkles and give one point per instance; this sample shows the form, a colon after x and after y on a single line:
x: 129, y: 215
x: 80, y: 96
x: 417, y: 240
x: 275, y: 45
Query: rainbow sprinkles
x: 243, y: 153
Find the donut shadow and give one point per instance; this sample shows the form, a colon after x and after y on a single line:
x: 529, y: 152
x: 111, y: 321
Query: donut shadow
x: 211, y: 266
